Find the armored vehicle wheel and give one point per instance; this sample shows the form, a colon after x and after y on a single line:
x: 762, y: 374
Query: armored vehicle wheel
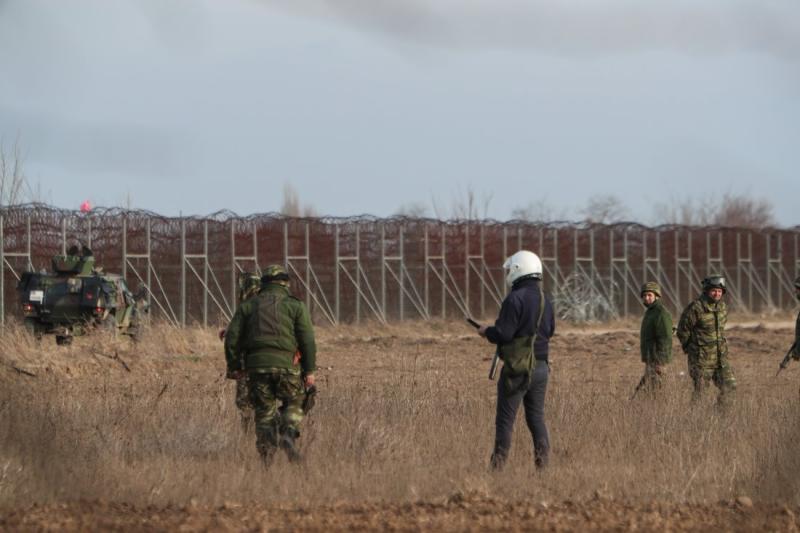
x: 110, y: 324
x: 135, y: 333
x: 33, y: 327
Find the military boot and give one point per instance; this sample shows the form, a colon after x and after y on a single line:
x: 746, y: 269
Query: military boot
x: 246, y: 420
x: 267, y: 443
x: 497, y: 462
x: 288, y: 442
x: 725, y: 400
x: 541, y: 458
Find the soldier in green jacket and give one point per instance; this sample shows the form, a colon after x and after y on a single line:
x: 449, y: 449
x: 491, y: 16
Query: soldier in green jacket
x: 655, y: 338
x: 262, y: 339
x: 796, y: 354
x: 701, y: 331
x: 249, y: 285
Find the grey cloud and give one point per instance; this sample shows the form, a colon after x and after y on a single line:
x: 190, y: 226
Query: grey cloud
x: 714, y: 26
x: 93, y: 146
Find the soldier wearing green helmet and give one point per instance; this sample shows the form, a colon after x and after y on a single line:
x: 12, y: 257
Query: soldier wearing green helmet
x: 796, y: 353
x: 262, y: 340
x: 249, y: 285
x: 701, y: 331
x: 655, y: 338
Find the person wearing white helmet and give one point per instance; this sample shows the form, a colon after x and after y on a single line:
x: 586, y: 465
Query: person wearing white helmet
x: 522, y: 334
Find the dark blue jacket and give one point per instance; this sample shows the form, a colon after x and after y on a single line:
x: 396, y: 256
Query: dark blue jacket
x: 518, y: 316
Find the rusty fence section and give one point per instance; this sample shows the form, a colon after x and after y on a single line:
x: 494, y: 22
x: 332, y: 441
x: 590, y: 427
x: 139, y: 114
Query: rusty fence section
x: 366, y: 268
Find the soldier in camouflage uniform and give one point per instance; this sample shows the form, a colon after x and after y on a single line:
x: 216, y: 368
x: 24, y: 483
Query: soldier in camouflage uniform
x: 249, y: 285
x: 796, y: 354
x: 655, y: 338
x: 262, y: 339
x: 701, y: 331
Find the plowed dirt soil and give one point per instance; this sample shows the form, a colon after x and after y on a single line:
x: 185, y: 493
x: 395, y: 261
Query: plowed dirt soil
x: 454, y: 514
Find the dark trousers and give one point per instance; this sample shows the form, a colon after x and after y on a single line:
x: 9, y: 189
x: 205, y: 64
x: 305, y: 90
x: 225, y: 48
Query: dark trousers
x: 533, y: 401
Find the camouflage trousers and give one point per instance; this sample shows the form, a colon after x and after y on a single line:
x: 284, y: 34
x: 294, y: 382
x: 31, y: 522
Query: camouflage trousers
x: 277, y: 397
x: 243, y: 401
x: 705, y: 369
x: 653, y: 378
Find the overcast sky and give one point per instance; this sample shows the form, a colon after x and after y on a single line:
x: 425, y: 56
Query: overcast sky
x: 366, y: 106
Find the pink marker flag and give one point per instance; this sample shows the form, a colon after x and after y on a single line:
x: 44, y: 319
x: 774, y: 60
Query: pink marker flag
x: 86, y: 206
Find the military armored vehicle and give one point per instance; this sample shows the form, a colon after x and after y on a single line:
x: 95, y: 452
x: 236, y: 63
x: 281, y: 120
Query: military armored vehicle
x: 76, y: 298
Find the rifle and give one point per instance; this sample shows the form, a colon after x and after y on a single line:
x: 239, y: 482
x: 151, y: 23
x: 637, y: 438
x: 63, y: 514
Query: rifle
x: 636, y: 390
x: 495, y: 359
x: 310, y: 399
x: 786, y: 358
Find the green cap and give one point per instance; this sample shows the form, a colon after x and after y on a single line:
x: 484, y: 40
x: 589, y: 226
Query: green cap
x: 274, y: 273
x: 249, y: 285
x: 651, y: 286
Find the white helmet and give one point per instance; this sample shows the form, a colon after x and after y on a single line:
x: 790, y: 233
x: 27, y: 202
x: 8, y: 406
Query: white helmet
x: 522, y: 263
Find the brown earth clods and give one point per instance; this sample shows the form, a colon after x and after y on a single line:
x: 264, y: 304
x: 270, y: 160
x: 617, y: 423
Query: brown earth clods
x: 457, y: 513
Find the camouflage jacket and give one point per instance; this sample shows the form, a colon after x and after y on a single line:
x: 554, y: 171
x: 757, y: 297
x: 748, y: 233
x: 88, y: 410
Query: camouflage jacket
x: 701, y: 328
x: 655, y: 337
x: 268, y: 329
x: 797, y: 338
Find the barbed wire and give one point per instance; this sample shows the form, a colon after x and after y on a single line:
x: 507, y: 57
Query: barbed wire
x: 44, y: 211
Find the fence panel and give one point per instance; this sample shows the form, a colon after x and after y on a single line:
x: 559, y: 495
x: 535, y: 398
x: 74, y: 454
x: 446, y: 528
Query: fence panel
x: 371, y: 269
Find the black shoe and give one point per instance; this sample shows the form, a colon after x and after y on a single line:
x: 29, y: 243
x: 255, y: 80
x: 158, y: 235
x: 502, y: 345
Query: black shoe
x: 497, y: 462
x: 288, y: 443
x: 267, y: 454
x: 246, y: 420
x: 267, y: 443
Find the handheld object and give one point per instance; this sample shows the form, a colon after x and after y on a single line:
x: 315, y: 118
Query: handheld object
x: 495, y: 359
x: 786, y: 359
x: 493, y: 368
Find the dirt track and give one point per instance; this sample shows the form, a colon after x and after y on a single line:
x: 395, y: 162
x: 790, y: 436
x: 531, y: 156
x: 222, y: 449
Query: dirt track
x: 457, y: 513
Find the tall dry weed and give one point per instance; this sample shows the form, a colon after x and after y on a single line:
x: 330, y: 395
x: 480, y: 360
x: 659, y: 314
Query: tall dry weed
x: 399, y: 418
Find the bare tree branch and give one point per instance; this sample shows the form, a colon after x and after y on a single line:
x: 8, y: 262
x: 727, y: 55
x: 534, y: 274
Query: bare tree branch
x: 413, y: 210
x: 605, y: 209
x: 291, y: 206
x: 731, y: 210
x: 539, y: 210
x: 13, y: 183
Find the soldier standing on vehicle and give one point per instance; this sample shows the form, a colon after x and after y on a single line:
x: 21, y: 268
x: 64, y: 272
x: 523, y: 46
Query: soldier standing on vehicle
x: 262, y: 339
x: 249, y: 285
x: 701, y: 331
x: 522, y: 334
x: 655, y: 338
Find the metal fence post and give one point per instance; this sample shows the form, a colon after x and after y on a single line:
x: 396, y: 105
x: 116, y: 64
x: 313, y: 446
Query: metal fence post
x: 336, y: 284
x: 205, y: 274
x: 426, y: 252
x: 233, y: 260
x: 149, y: 267
x: 402, y: 277
x: 383, y: 269
x: 2, y: 275
x: 183, y: 271
x: 466, y: 268
x: 125, y: 247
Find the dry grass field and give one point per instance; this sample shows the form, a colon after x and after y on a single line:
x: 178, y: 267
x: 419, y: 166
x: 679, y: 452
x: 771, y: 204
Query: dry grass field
x: 105, y: 434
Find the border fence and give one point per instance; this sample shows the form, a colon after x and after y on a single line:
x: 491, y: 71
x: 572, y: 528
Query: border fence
x: 385, y: 269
